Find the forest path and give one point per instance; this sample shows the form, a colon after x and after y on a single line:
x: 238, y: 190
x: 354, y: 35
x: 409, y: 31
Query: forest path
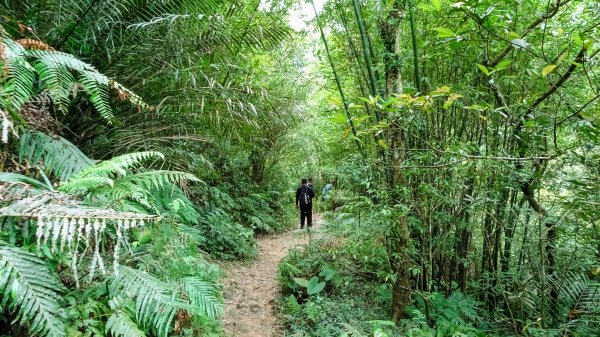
x: 251, y: 290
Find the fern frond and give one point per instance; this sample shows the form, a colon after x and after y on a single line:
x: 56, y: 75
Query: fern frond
x: 26, y: 72
x: 579, y: 295
x: 60, y: 158
x: 119, y: 324
x: 157, y: 178
x: 120, y: 195
x: 202, y: 295
x: 57, y: 58
x: 119, y: 165
x: 32, y: 291
x: 156, y: 301
x: 96, y: 86
x: 58, y: 80
x: 51, y: 204
x: 18, y: 84
x: 84, y: 185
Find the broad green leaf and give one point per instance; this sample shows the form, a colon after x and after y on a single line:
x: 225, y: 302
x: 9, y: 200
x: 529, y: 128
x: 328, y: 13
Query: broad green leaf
x: 338, y: 118
x: 437, y: 5
x: 301, y: 282
x: 483, y: 69
x: 425, y: 7
x: 314, y: 286
x: 451, y: 99
x: 548, y: 69
x: 503, y: 65
x: 444, y: 32
x: 382, y: 143
x: 328, y: 273
x: 440, y: 91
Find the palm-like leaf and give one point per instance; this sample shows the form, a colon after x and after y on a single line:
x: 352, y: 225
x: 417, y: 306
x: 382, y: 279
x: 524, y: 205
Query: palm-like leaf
x: 60, y: 158
x: 202, y: 295
x: 32, y: 291
x: 157, y: 302
x: 119, y: 165
x: 119, y: 324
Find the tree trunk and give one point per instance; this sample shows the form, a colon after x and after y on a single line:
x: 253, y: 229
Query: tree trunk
x: 398, y: 246
x: 390, y: 35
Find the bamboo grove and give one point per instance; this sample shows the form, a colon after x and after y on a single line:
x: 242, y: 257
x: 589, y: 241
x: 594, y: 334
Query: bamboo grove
x: 475, y: 122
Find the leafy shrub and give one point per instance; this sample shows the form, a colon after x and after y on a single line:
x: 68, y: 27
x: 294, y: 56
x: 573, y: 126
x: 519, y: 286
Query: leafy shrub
x: 342, y: 301
x: 224, y: 237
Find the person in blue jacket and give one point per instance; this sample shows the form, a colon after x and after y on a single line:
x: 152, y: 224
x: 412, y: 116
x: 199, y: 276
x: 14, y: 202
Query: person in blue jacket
x: 327, y: 188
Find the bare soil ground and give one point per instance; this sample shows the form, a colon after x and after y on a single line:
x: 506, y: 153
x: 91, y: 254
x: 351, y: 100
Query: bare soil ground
x: 251, y: 290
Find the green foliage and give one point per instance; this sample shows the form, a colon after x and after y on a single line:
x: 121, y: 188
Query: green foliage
x: 202, y: 294
x: 451, y: 314
x: 225, y: 238
x: 194, y: 60
x: 342, y: 300
x: 56, y: 155
x: 313, y: 286
x: 29, y: 72
x: 157, y: 302
x: 31, y: 292
x: 121, y: 325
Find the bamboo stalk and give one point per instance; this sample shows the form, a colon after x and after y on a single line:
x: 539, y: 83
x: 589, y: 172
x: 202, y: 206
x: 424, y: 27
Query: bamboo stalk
x: 338, y: 83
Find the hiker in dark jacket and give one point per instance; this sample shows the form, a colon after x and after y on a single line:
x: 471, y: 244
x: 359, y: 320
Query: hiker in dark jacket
x: 304, y: 196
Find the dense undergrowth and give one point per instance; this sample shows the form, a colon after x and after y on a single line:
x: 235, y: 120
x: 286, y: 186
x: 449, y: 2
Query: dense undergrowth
x: 114, y: 206
x: 349, y: 258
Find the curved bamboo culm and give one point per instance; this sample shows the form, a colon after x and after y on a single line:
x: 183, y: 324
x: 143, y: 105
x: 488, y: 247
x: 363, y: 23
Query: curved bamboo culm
x: 339, y: 85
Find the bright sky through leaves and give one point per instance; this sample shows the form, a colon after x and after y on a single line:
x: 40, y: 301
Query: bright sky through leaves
x: 302, y: 12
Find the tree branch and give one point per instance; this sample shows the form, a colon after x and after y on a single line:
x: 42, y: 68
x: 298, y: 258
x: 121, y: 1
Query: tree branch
x: 549, y: 14
x: 561, y: 80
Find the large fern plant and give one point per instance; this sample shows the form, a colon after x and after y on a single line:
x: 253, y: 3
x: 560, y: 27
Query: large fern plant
x: 28, y: 288
x: 30, y: 67
x: 73, y: 214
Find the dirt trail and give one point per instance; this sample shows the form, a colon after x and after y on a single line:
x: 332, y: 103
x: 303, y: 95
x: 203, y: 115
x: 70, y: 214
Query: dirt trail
x: 250, y: 289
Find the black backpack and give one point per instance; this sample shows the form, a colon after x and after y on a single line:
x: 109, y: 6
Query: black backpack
x: 304, y: 195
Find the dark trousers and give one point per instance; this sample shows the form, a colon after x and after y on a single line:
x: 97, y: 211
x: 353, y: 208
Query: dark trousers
x: 306, y: 213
